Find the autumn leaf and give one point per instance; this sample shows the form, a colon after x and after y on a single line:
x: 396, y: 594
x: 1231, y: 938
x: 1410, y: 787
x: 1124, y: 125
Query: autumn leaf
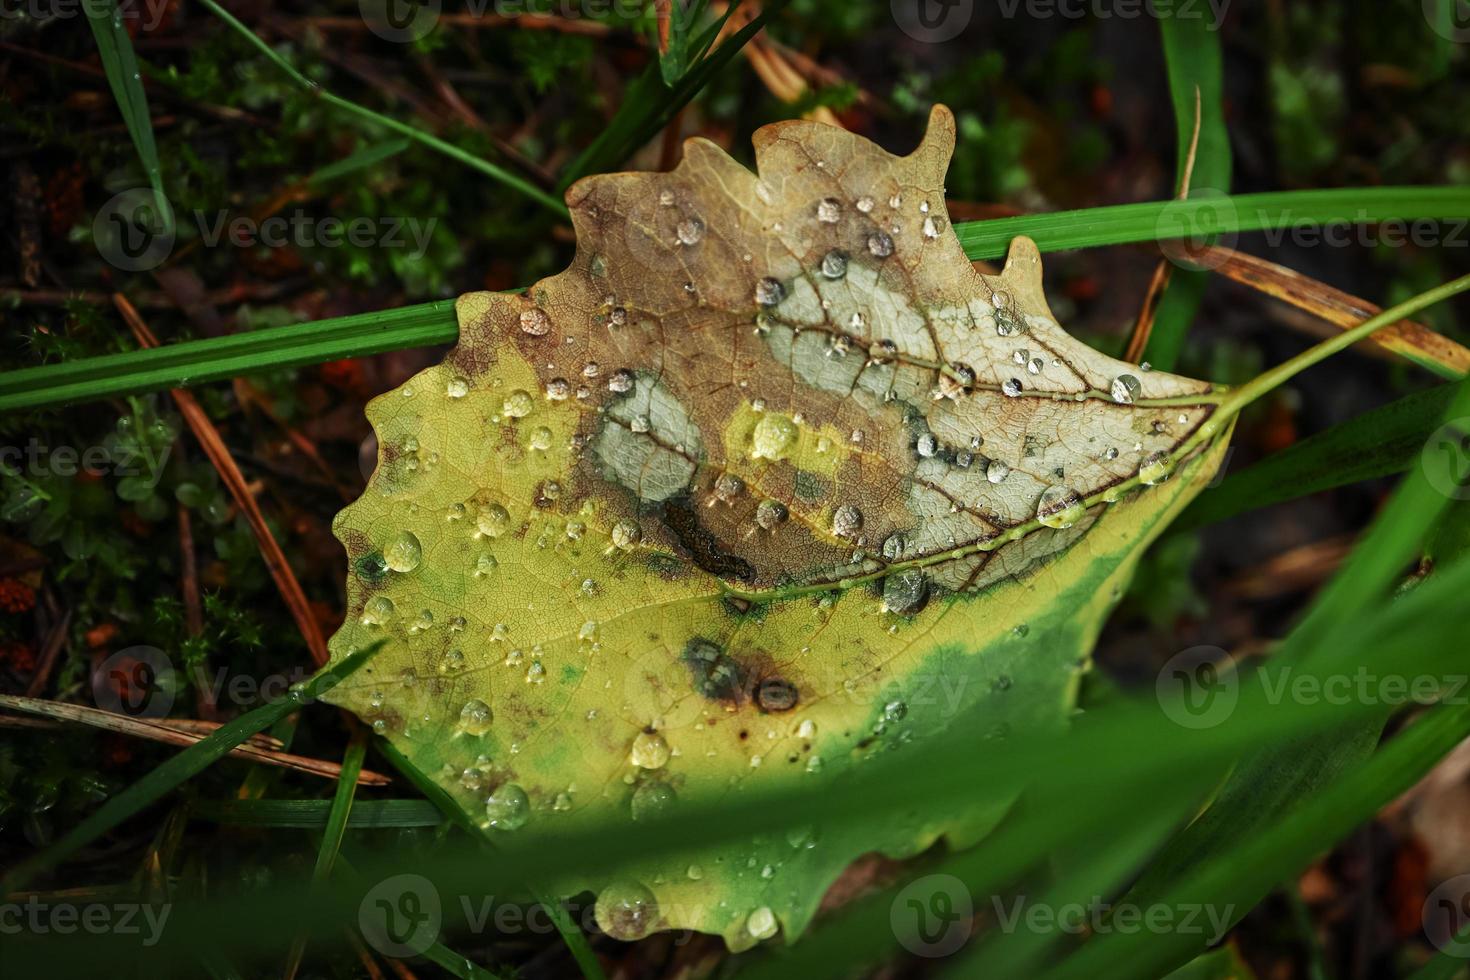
x: 768, y: 483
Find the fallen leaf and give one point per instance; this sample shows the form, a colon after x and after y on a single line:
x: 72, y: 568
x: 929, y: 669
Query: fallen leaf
x: 768, y: 483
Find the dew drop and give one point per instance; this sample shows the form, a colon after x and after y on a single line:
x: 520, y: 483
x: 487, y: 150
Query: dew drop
x: 829, y: 210
x: 1155, y: 469
x: 517, y: 404
x: 474, y: 718
x: 1059, y: 507
x: 1125, y: 389
x: 773, y: 435
x: 626, y: 535
x: 493, y: 520
x: 996, y: 471
x: 558, y: 389
x: 626, y: 910
x: 540, y: 438
x: 864, y: 204
x: 770, y: 513
x: 621, y: 381
x: 847, y: 521
x: 508, y: 808
x: 535, y: 322
x: 762, y: 923
x: 649, y: 751
x: 404, y: 552
x: 834, y: 264
x: 880, y: 244
x: 690, y: 231
x: 457, y: 388
x: 378, y: 611
x: 1011, y: 388
x: 651, y: 799
x: 769, y: 291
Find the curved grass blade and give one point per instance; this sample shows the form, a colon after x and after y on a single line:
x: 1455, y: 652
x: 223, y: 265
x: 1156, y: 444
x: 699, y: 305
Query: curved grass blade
x: 331, y: 843
x: 496, y: 173
x: 1196, y: 85
x: 115, y: 48
x: 1381, y: 442
x: 183, y: 766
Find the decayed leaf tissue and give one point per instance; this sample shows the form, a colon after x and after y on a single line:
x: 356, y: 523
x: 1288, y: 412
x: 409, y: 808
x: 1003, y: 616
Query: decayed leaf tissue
x: 768, y: 483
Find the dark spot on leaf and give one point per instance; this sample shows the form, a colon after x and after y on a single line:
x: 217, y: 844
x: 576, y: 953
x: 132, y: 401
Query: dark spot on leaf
x: 703, y: 548
x: 776, y: 694
x: 371, y: 567
x: 715, y: 675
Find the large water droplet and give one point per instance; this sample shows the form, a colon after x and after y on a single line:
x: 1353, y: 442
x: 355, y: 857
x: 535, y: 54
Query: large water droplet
x: 769, y: 291
x: 626, y: 535
x: 651, y: 799
x: 762, y: 923
x: 457, y: 388
x: 1155, y: 469
x: 834, y: 264
x: 517, y: 404
x: 1125, y: 389
x: 475, y: 717
x: 773, y: 435
x: 626, y: 910
x: 1011, y: 388
x: 906, y: 592
x: 535, y: 322
x: 770, y: 513
x: 996, y: 471
x: 847, y: 521
x: 492, y: 520
x: 829, y: 210
x: 508, y: 808
x: 880, y: 243
x: 690, y: 231
x: 649, y: 751
x: 378, y: 610
x: 404, y: 552
x: 1059, y: 507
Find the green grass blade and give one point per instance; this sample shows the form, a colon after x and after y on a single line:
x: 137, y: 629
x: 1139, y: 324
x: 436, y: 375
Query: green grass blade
x: 1155, y: 220
x: 1196, y: 78
x: 498, y: 174
x: 120, y: 64
x: 188, y: 763
x: 331, y: 843
x: 649, y: 105
x: 197, y: 362
x: 1381, y: 442
x: 361, y: 160
x: 220, y: 358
